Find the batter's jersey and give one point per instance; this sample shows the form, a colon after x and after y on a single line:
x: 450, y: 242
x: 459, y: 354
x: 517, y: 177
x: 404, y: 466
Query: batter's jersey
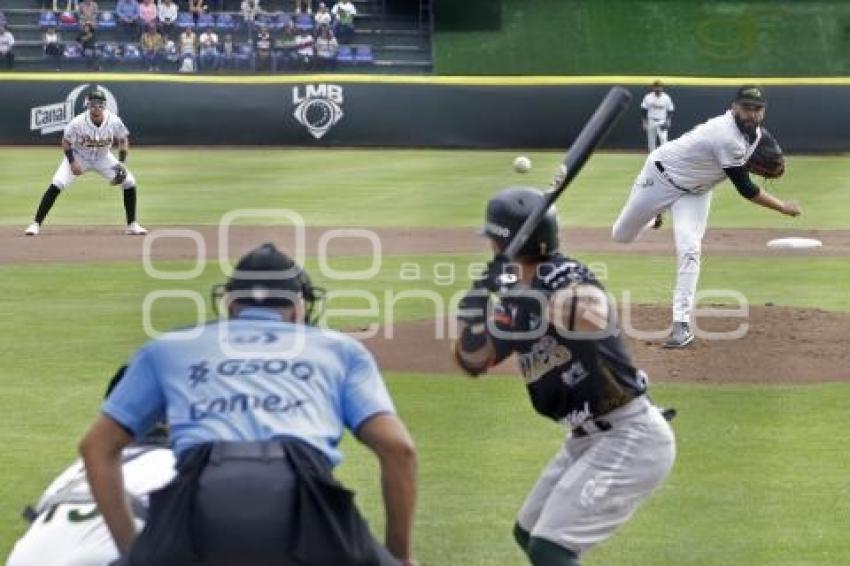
x: 568, y: 380
x: 92, y: 142
x: 658, y: 107
x: 69, y: 530
x: 250, y: 379
x: 696, y: 160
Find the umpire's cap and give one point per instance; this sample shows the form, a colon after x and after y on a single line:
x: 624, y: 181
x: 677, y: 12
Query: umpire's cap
x: 750, y: 94
x: 506, y: 212
x: 266, y: 277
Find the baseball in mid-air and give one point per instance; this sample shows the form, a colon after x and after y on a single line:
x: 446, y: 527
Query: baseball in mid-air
x: 522, y: 164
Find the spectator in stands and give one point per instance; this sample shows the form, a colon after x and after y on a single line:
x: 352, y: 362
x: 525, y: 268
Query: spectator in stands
x: 304, y: 7
x: 250, y: 9
x: 208, y: 56
x: 323, y: 17
x: 167, y: 15
x: 304, y: 40
x: 128, y: 17
x: 88, y: 43
x: 147, y: 14
x: 326, y: 49
x: 344, y: 13
x: 188, y: 51
x: 152, y: 44
x: 286, y: 47
x: 7, y: 44
x: 53, y: 46
x: 228, y: 52
x: 87, y: 11
x: 263, y: 50
x: 196, y: 8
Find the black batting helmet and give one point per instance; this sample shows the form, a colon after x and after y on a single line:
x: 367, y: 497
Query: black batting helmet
x: 508, y: 210
x: 265, y: 277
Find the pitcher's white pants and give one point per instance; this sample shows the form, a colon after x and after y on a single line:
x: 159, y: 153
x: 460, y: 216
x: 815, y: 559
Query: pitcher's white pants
x: 651, y: 195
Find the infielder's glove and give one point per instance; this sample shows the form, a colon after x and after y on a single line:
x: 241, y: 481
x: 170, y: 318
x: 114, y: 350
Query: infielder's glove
x: 767, y: 160
x: 120, y: 174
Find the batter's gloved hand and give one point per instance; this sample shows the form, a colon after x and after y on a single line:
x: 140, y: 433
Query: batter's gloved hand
x: 767, y: 160
x: 120, y: 174
x: 499, y: 275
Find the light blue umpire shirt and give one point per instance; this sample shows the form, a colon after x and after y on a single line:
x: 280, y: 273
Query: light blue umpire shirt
x: 251, y: 378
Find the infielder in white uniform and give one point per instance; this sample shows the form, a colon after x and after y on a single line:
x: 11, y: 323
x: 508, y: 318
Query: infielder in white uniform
x: 68, y: 530
x: 657, y: 112
x: 679, y: 176
x: 87, y: 142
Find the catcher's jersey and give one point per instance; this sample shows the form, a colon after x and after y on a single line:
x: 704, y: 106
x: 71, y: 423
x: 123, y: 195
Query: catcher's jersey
x: 92, y: 142
x: 568, y: 380
x: 657, y: 107
x: 696, y: 160
x: 69, y: 530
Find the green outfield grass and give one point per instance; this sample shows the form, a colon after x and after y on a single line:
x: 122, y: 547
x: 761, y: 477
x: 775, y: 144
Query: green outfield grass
x: 383, y: 187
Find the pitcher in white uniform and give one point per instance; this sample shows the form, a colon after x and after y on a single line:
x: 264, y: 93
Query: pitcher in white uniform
x: 87, y: 143
x: 679, y: 176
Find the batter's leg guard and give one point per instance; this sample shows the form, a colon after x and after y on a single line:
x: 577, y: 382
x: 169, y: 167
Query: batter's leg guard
x: 521, y: 536
x: 130, y: 204
x: 46, y: 203
x: 542, y: 552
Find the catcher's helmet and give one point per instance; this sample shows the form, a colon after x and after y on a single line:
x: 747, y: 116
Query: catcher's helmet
x: 508, y: 210
x: 265, y: 277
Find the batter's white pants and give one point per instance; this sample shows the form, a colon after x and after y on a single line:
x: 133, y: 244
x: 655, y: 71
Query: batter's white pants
x: 656, y: 134
x: 64, y: 177
x: 651, y: 195
x: 595, y: 483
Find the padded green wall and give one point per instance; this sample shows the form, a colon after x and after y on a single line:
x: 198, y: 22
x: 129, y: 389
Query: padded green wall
x: 660, y: 37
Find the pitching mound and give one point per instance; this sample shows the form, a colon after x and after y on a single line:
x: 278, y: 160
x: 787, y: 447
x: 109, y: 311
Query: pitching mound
x: 781, y: 345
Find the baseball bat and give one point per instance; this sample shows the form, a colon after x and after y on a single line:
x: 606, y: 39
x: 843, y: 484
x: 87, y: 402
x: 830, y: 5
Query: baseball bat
x: 609, y: 111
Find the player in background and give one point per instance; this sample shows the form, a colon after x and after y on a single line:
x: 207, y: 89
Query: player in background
x: 67, y: 527
x: 679, y: 176
x: 656, y: 110
x: 87, y: 143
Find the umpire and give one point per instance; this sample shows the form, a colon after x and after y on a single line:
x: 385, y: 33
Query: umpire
x: 256, y: 406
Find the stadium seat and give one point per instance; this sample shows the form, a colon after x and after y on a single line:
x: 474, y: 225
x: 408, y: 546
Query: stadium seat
x: 185, y: 20
x: 363, y: 54
x: 106, y: 20
x: 206, y: 21
x: 68, y: 22
x: 345, y: 54
x: 303, y: 22
x: 47, y: 19
x: 132, y: 54
x: 109, y: 52
x: 72, y: 51
x: 243, y: 56
x: 278, y: 21
x: 225, y: 22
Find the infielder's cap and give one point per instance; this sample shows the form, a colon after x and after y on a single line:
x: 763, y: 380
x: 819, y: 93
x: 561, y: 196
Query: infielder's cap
x: 97, y: 95
x: 266, y: 277
x: 657, y: 83
x: 750, y: 94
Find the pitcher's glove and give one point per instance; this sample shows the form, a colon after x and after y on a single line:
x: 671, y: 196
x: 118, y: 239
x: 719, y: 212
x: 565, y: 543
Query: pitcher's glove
x: 120, y: 174
x: 767, y: 160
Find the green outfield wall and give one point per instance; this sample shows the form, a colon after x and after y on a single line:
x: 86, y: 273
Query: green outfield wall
x: 807, y: 115
x: 779, y: 38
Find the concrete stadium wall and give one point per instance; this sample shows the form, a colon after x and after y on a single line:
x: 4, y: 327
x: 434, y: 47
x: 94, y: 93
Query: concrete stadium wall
x: 365, y: 110
x: 782, y: 38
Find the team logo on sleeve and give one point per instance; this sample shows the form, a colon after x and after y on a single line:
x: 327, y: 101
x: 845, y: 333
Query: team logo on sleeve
x: 318, y: 108
x: 54, y: 117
